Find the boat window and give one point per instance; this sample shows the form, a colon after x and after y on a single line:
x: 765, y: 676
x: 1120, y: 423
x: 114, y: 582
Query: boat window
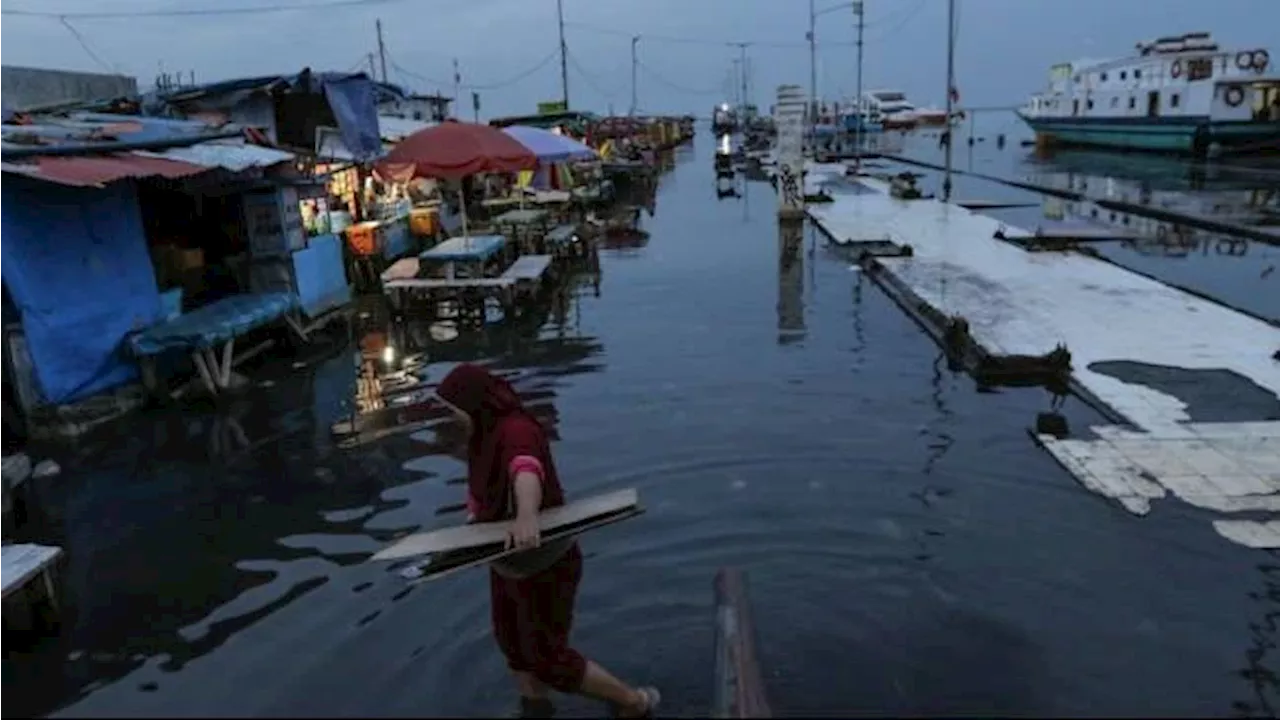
x: 1133, y: 103
x: 1123, y: 74
x: 1090, y: 104
x: 1200, y: 69
x: 1104, y: 77
x: 1137, y: 74
x: 1077, y: 78
x: 1174, y: 99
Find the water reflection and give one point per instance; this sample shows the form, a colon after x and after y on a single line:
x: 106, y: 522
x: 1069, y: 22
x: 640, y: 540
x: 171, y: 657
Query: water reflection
x: 791, y: 326
x: 1248, y: 197
x: 1145, y: 235
x: 395, y: 380
x: 1264, y: 686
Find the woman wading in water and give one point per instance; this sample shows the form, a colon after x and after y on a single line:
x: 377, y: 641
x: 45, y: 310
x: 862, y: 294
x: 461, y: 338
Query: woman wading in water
x: 511, y: 476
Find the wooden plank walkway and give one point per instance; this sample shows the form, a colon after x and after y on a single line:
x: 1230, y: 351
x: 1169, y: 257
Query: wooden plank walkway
x: 1019, y: 303
x: 739, y: 684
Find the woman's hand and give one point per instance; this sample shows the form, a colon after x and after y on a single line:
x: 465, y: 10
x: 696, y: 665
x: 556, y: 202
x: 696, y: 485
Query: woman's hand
x: 523, y: 533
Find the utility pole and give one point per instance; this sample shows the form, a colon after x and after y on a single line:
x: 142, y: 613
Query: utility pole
x: 635, y: 61
x: 457, y: 86
x: 564, y: 56
x: 813, y: 69
x: 857, y: 129
x: 382, y: 50
x: 737, y: 69
x: 951, y: 91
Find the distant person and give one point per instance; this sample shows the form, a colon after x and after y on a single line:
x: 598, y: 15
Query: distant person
x: 512, y: 477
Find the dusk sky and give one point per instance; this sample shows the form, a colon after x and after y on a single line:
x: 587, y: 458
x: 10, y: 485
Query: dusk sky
x: 1004, y: 47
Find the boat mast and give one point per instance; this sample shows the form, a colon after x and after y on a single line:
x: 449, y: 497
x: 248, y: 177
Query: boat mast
x: 951, y: 86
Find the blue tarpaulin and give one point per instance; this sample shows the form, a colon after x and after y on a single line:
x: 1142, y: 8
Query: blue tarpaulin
x: 75, y: 261
x: 352, y: 100
x: 322, y: 277
x: 215, y: 323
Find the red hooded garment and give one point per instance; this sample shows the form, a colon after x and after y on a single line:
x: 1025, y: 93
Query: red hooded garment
x: 503, y: 431
x: 532, y: 616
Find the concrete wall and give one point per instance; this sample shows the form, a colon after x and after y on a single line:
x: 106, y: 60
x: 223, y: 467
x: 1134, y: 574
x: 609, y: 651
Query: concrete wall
x: 416, y: 108
x: 23, y: 88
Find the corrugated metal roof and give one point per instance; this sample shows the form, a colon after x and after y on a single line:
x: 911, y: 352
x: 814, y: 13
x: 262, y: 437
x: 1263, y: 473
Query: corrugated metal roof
x: 98, y: 170
x: 236, y: 157
x: 108, y: 131
x: 103, y: 129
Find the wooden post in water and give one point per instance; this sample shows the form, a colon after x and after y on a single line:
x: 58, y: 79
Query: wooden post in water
x: 739, y: 691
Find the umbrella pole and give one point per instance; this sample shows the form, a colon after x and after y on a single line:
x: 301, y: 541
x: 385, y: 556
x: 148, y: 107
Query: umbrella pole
x: 462, y: 203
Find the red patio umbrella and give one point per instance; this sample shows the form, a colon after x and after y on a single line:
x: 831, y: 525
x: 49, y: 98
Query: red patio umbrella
x: 453, y: 150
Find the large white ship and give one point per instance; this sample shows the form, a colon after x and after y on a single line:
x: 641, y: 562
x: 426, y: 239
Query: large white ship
x: 1177, y: 94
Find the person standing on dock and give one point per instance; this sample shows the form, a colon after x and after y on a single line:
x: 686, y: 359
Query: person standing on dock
x: 511, y: 476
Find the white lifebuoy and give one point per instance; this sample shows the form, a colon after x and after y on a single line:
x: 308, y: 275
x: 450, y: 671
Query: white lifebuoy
x: 1177, y: 68
x: 1244, y: 60
x: 1233, y: 95
x: 1260, y: 60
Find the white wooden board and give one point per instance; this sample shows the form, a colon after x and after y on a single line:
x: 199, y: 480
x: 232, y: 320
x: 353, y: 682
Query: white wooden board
x: 478, y: 535
x: 22, y: 562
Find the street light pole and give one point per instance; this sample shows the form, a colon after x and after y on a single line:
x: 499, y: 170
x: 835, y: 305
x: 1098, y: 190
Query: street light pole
x: 857, y: 128
x: 635, y: 39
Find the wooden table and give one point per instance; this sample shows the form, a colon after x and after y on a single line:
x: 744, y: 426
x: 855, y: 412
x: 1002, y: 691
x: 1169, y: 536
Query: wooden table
x: 470, y: 251
x: 524, y: 226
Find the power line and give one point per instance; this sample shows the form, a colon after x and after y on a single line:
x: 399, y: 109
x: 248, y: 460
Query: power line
x: 591, y: 80
x: 190, y: 12
x: 902, y: 22
x: 675, y: 39
x: 84, y: 45
x: 676, y: 86
x: 477, y: 86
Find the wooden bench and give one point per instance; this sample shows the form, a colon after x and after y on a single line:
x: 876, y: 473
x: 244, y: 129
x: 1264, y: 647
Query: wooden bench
x: 447, y: 284
x: 562, y: 234
x: 402, y: 269
x: 527, y: 268
x: 21, y: 565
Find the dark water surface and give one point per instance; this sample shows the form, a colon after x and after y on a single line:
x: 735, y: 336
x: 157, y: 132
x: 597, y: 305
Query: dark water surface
x: 908, y: 549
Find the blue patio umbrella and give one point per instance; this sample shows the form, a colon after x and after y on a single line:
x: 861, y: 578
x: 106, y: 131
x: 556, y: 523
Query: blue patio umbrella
x: 548, y: 146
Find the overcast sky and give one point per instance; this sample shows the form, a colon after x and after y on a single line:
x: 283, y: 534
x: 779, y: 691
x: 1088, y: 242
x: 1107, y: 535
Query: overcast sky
x: 1004, y: 47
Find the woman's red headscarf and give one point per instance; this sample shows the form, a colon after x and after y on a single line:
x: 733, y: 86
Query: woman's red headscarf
x: 501, y: 429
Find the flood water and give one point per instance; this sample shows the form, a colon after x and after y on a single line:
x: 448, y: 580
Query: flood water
x: 908, y: 549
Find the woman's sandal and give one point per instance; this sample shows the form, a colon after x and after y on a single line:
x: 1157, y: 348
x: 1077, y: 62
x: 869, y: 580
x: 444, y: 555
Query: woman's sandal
x: 536, y: 708
x: 651, y: 700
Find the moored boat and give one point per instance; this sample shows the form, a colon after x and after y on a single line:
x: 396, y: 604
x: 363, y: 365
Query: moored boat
x: 1181, y: 94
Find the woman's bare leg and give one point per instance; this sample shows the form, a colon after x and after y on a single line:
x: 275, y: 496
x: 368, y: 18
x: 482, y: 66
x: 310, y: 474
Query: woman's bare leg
x: 599, y: 684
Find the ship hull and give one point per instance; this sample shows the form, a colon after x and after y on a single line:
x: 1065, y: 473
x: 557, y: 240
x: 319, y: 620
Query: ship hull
x: 1190, y: 135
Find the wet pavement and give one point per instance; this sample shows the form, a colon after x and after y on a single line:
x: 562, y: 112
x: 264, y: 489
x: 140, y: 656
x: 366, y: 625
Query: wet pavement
x: 909, y: 550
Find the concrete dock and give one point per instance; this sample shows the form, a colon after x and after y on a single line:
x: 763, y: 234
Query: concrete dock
x: 1115, y: 323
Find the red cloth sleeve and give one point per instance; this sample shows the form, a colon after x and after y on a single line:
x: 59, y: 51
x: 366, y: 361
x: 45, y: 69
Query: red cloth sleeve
x: 521, y: 447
